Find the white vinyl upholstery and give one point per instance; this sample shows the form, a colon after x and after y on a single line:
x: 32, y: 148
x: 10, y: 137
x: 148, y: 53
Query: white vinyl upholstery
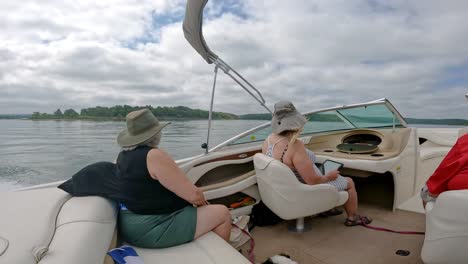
x: 48, y: 226
x: 282, y: 192
x: 208, y: 249
x: 462, y: 131
x: 433, y: 152
x: 446, y: 237
x: 27, y: 222
x: 83, y: 231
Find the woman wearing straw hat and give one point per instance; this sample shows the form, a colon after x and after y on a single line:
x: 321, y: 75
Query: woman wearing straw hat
x: 160, y: 206
x: 287, y: 123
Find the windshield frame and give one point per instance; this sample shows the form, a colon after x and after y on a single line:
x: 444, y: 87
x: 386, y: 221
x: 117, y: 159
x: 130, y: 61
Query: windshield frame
x: 382, y: 101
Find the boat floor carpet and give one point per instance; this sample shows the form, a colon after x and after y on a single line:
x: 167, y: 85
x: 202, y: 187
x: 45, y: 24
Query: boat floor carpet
x: 330, y: 242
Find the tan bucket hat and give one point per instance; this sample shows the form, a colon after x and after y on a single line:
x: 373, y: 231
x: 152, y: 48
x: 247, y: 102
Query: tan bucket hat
x: 286, y: 117
x: 141, y: 126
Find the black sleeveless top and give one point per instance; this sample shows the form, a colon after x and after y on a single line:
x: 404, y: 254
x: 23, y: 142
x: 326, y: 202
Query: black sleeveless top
x: 140, y: 193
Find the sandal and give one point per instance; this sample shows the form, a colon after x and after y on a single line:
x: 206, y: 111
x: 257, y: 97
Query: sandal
x: 358, y: 220
x: 331, y: 212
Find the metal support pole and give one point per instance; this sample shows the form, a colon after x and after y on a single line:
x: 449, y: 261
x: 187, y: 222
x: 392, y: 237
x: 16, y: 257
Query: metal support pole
x: 211, y: 109
x: 300, y: 224
x: 246, y: 85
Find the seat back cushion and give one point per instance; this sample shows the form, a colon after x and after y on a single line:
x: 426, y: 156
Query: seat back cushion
x: 282, y: 192
x: 84, y: 231
x: 279, y: 176
x: 27, y: 222
x: 447, y: 229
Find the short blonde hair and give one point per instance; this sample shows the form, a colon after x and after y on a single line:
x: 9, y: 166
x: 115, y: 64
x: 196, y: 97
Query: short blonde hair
x: 292, y: 135
x: 152, y: 142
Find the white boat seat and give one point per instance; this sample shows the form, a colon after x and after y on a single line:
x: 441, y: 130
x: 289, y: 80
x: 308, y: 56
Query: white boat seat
x: 446, y: 236
x: 282, y: 192
x: 462, y: 131
x: 48, y: 226
x: 208, y: 249
x: 433, y: 152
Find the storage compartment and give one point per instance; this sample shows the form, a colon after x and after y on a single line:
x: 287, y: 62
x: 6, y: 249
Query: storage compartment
x: 376, y: 190
x: 243, y: 207
x: 235, y: 201
x: 226, y: 173
x: 369, y: 139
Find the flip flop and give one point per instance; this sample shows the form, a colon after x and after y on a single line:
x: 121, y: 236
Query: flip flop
x: 331, y: 212
x: 358, y: 220
x: 244, y: 202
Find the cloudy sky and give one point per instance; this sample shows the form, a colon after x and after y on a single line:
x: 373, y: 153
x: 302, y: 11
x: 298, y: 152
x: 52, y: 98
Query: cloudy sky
x: 84, y: 53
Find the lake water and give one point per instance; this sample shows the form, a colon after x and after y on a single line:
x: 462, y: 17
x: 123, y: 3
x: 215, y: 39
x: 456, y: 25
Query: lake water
x: 35, y: 152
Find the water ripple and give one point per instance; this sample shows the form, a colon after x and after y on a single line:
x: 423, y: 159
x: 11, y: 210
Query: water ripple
x: 35, y: 152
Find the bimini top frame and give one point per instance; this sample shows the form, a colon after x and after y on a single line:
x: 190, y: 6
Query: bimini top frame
x: 192, y: 26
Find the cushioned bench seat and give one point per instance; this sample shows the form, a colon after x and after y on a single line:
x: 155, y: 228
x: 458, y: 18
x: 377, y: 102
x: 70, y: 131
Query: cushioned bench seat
x: 208, y: 249
x: 48, y: 226
x: 433, y: 152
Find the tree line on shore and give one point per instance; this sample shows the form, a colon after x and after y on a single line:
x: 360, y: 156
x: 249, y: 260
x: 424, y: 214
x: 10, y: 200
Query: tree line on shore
x: 119, y: 112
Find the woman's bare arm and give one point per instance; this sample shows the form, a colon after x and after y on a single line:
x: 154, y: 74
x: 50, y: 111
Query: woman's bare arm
x: 163, y: 168
x: 304, y: 167
x: 264, y: 146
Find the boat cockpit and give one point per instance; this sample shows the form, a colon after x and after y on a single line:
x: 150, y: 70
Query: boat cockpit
x: 368, y: 138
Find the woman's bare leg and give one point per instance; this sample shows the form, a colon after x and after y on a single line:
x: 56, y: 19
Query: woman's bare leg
x: 352, y: 203
x: 214, y: 217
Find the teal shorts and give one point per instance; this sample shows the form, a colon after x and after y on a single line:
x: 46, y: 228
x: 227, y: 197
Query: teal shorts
x: 158, y: 231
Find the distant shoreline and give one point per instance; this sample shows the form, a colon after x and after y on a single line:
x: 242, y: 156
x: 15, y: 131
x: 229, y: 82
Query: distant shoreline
x: 181, y: 113
x: 105, y: 119
x: 411, y: 121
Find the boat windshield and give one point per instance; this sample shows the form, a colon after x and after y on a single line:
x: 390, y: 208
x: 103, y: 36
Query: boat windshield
x: 364, y: 116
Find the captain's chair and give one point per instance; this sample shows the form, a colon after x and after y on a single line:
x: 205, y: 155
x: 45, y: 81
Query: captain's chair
x: 446, y: 237
x: 282, y: 192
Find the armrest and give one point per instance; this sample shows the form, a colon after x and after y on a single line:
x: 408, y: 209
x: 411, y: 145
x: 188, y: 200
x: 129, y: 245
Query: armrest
x: 429, y: 207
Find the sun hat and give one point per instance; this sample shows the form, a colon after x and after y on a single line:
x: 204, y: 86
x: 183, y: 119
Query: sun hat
x: 141, y: 126
x: 286, y: 117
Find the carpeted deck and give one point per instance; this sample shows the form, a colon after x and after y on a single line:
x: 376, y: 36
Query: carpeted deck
x: 329, y: 241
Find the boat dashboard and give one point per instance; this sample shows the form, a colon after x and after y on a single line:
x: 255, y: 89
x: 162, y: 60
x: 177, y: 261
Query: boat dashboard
x: 366, y: 144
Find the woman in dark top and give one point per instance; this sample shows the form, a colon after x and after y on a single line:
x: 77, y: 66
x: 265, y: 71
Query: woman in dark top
x: 160, y: 206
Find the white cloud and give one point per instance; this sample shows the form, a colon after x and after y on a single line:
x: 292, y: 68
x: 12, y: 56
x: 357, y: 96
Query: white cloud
x: 62, y: 54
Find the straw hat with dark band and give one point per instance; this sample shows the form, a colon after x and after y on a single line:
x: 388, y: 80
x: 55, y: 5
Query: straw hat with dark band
x: 141, y: 126
x: 286, y: 117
